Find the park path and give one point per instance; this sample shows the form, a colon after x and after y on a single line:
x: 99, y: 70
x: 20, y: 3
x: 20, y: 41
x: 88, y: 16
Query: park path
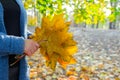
x: 98, y: 57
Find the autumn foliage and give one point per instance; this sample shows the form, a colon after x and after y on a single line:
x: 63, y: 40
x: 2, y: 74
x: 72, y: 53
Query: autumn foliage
x: 56, y: 42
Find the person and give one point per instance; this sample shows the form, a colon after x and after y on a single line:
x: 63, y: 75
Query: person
x: 13, y: 40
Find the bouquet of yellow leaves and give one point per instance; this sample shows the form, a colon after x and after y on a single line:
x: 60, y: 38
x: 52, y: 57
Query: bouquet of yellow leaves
x: 56, y: 43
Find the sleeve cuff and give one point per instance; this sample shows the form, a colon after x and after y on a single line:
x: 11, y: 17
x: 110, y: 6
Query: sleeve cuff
x: 17, y: 45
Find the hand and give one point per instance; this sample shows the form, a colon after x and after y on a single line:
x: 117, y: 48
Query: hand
x: 30, y: 47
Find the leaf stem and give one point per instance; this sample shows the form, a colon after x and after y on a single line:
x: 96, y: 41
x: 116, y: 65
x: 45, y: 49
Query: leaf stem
x: 18, y: 59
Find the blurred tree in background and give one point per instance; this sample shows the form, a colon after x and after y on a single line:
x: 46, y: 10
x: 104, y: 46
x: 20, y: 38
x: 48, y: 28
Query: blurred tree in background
x: 103, y: 14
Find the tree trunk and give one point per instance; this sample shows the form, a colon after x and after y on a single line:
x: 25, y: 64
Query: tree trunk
x: 111, y: 25
x: 93, y: 25
x: 97, y: 25
x: 85, y: 25
x: 114, y: 25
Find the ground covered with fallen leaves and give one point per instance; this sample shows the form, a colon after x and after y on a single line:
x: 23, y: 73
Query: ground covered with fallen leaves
x: 98, y: 58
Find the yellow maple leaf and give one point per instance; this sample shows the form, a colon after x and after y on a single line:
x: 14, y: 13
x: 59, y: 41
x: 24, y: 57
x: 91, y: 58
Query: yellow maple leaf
x: 71, y: 71
x: 56, y: 42
x: 84, y: 76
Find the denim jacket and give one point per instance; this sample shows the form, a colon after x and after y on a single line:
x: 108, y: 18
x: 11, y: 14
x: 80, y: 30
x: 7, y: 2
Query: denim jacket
x: 13, y: 45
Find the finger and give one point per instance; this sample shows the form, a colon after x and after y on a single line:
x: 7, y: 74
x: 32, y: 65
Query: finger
x: 37, y: 45
x: 34, y: 49
x: 29, y: 52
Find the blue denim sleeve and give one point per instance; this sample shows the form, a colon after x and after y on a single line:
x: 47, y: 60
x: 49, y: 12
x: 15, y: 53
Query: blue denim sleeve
x: 11, y: 44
